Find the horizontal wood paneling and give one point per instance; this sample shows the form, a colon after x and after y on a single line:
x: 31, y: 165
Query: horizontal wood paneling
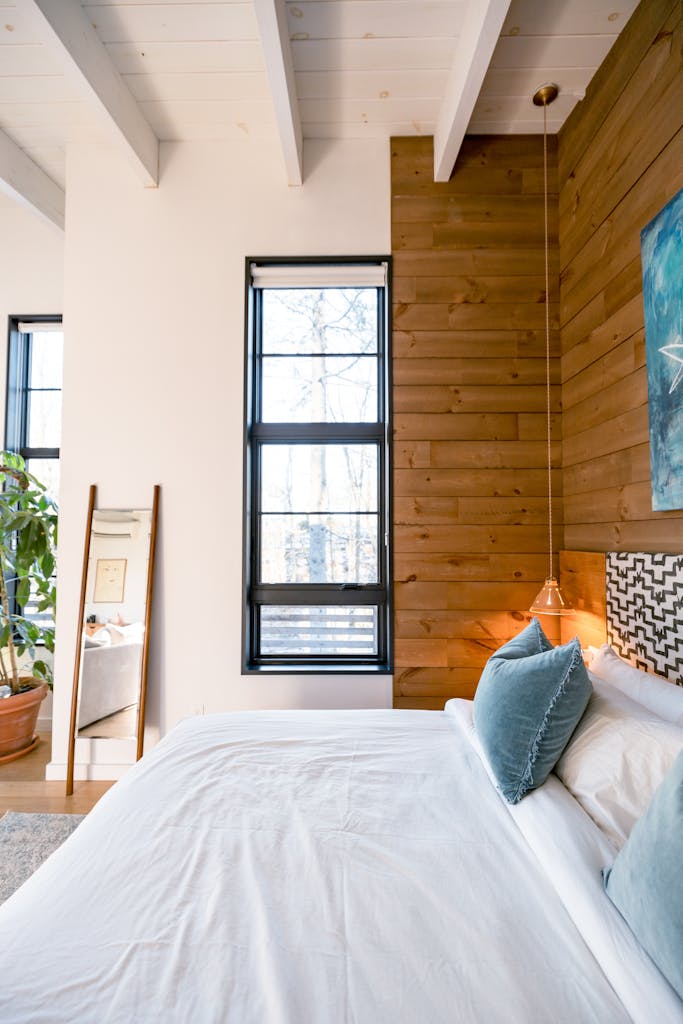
x: 475, y: 482
x: 626, y: 466
x: 620, y: 160
x: 467, y: 596
x: 430, y: 539
x: 582, y: 578
x: 449, y: 398
x: 447, y: 510
x: 446, y: 567
x: 470, y: 477
x: 615, y: 161
x: 628, y: 536
x: 487, y: 370
x: 614, y: 245
x: 610, y: 79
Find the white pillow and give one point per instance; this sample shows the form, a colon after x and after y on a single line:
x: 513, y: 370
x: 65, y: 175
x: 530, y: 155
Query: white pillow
x: 652, y: 691
x: 99, y: 639
x: 131, y: 633
x: 617, y: 757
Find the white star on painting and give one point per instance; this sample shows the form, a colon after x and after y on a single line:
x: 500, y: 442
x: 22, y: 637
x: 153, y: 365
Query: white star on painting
x: 674, y: 352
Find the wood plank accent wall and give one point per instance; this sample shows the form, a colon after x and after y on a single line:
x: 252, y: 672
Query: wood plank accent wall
x: 583, y: 582
x: 620, y: 161
x: 470, y: 483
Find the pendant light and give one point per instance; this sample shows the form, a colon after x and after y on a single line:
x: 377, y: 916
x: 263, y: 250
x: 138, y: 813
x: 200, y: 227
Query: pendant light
x: 549, y: 600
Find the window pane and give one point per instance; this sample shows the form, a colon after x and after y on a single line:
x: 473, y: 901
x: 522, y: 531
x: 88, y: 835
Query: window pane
x: 327, y: 630
x: 47, y: 356
x: 319, y: 478
x: 319, y: 389
x: 47, y: 471
x: 44, y: 419
x: 319, y: 549
x: 304, y: 320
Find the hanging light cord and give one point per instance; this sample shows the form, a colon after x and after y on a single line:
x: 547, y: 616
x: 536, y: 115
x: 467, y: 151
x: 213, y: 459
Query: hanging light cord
x: 547, y: 332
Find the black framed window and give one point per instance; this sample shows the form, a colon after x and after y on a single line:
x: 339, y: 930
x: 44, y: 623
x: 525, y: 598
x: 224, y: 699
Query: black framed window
x: 33, y: 410
x: 33, y: 422
x: 317, y: 456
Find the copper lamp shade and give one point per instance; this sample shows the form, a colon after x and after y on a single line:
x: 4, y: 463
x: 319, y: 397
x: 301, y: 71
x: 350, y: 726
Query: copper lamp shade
x: 550, y: 600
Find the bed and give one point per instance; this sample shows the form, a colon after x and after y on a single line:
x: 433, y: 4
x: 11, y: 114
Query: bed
x: 304, y: 866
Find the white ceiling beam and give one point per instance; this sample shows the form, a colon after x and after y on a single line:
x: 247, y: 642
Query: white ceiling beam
x: 66, y: 31
x: 480, y: 31
x: 24, y: 181
x: 272, y: 21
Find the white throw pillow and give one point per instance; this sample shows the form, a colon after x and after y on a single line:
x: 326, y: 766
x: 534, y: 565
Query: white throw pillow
x: 652, y: 691
x: 99, y: 639
x: 617, y: 757
x: 133, y: 632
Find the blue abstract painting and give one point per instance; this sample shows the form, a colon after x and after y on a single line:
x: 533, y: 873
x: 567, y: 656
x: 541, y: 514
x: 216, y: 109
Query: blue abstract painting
x: 662, y: 256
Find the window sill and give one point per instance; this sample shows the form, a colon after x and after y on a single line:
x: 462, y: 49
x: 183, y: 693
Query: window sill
x: 317, y: 670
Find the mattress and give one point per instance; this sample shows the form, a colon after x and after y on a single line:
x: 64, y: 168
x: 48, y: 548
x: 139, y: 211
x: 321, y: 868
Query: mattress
x: 295, y: 867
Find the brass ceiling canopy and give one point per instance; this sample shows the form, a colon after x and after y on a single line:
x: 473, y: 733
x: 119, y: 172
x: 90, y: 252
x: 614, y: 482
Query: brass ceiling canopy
x: 546, y: 94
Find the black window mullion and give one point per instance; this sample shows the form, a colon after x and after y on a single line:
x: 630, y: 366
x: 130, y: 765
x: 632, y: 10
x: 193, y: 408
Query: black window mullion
x: 317, y: 593
x: 319, y: 433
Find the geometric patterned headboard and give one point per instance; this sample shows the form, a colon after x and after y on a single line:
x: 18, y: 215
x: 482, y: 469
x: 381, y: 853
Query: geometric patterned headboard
x: 645, y: 610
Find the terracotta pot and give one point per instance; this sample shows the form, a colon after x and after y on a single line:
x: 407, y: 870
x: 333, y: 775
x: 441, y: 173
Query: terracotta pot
x: 18, y: 717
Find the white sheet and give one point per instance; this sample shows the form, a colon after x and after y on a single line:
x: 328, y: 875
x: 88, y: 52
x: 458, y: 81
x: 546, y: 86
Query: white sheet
x: 573, y: 851
x: 299, y: 868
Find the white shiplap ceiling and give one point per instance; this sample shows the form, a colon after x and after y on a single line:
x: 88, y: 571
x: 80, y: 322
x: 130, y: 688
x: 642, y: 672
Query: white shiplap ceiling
x: 211, y: 69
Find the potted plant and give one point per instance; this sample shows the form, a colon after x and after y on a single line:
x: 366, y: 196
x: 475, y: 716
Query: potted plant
x: 28, y: 535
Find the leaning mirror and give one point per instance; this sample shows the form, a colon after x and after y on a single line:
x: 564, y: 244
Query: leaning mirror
x: 110, y: 671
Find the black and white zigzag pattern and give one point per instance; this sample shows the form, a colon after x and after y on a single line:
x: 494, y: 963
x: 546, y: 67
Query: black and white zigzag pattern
x: 645, y: 611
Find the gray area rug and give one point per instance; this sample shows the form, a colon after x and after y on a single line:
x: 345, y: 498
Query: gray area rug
x: 26, y: 840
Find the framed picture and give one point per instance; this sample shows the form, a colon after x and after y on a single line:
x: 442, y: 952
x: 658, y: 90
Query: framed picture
x: 662, y: 256
x: 110, y: 580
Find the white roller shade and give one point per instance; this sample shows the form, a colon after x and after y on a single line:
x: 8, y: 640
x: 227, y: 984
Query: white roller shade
x: 31, y: 326
x: 322, y: 275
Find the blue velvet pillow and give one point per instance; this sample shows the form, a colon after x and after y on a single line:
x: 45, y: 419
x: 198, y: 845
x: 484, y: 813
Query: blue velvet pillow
x: 646, y: 882
x: 529, y: 700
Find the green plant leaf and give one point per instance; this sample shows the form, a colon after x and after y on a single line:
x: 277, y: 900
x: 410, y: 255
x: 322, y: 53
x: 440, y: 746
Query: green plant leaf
x: 28, y: 535
x: 23, y: 592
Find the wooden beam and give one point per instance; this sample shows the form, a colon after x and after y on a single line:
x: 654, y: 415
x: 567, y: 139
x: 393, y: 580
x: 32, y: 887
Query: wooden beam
x: 279, y: 65
x: 64, y: 28
x: 476, y: 43
x: 25, y: 181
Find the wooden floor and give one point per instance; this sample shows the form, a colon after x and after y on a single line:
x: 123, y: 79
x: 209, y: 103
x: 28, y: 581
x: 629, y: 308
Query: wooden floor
x: 23, y: 786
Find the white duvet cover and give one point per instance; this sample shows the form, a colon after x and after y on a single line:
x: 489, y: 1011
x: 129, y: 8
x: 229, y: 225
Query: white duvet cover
x: 301, y: 868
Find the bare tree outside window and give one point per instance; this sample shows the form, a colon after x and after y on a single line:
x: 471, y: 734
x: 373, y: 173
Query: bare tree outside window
x: 320, y: 501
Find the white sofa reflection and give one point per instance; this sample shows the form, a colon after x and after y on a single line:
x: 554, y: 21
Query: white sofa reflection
x: 110, y: 671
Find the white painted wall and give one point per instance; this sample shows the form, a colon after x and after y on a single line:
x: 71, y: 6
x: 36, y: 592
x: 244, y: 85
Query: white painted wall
x: 31, y: 282
x: 153, y: 393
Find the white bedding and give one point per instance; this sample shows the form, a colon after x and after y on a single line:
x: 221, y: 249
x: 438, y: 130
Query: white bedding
x: 302, y: 868
x: 573, y: 851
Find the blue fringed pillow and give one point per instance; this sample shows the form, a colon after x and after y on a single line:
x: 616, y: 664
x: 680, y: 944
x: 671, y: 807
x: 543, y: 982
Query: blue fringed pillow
x: 529, y: 700
x: 645, y: 883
